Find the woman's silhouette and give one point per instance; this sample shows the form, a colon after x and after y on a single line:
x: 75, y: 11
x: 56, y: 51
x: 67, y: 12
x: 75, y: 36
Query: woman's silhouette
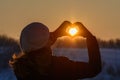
x: 38, y: 63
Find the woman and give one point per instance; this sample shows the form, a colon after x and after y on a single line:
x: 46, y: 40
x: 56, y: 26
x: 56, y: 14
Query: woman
x: 38, y: 63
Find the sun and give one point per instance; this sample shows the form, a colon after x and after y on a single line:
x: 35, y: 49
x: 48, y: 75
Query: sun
x: 73, y: 31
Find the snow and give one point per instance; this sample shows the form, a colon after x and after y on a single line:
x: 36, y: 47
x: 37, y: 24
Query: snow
x: 110, y: 62
x: 7, y: 74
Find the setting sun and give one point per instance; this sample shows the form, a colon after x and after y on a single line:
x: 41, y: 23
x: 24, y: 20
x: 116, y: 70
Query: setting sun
x: 73, y: 31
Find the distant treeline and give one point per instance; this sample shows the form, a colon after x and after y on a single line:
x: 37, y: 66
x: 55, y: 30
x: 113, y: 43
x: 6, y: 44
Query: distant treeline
x: 68, y: 42
x: 112, y: 43
x: 81, y: 43
x: 9, y: 43
x: 63, y: 42
x: 8, y: 46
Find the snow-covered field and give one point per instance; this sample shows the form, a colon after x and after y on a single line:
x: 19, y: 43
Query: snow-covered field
x: 110, y: 61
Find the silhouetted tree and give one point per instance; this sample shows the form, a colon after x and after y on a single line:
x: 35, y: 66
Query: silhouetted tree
x: 117, y: 43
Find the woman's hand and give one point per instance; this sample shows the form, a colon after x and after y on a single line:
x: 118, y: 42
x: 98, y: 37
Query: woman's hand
x: 61, y: 30
x: 83, y: 31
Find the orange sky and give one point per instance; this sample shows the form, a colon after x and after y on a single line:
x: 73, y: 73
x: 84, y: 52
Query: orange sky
x: 101, y: 17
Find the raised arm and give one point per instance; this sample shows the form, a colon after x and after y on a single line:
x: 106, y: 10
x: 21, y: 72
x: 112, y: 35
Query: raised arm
x: 93, y: 67
x: 59, y: 32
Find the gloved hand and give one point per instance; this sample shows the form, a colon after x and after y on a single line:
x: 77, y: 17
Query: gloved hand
x: 61, y: 30
x: 83, y: 31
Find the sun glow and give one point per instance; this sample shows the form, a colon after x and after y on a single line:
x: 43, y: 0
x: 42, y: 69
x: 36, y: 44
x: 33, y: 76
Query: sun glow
x: 73, y: 31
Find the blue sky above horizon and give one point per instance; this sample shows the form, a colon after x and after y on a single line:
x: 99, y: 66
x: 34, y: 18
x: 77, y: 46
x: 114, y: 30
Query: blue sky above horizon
x: 101, y: 17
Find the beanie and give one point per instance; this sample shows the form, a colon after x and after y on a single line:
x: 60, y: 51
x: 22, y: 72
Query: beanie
x: 34, y: 36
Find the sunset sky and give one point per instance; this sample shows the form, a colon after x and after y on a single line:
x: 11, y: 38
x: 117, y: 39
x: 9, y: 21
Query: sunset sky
x: 101, y: 17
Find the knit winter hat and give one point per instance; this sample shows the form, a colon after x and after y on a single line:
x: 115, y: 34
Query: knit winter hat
x: 34, y: 36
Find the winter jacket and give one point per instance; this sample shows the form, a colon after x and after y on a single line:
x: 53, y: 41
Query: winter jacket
x: 42, y: 65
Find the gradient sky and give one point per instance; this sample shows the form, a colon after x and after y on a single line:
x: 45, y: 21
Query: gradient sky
x: 101, y: 17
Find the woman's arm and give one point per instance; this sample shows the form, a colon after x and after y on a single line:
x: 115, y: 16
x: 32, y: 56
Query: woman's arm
x: 94, y: 54
x: 59, y: 32
x: 93, y: 67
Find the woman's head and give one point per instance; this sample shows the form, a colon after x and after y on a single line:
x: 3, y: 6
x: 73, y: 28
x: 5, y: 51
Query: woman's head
x: 34, y: 36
